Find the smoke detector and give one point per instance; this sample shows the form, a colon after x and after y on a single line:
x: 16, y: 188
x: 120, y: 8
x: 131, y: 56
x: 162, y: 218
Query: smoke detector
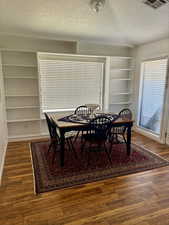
x: 155, y: 4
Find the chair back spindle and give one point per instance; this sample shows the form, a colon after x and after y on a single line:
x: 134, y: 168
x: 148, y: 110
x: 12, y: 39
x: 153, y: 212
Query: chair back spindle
x: 82, y: 111
x: 101, y: 126
x: 125, y: 114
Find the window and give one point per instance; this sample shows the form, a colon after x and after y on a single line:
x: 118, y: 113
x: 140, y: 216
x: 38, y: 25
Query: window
x: 152, y: 94
x: 67, y: 82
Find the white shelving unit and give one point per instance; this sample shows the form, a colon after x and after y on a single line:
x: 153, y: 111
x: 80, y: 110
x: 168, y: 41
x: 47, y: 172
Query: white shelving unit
x: 34, y: 78
x: 22, y: 95
x: 120, y: 83
x: 22, y: 92
x: 22, y: 107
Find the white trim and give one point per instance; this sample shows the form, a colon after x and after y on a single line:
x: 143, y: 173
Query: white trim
x: 17, y: 50
x: 140, y: 93
x: 160, y: 138
x: 39, y: 88
x: 121, y: 69
x: 70, y: 55
x: 121, y: 57
x: 120, y: 103
x: 33, y: 172
x: 33, y: 78
x: 147, y: 134
x: 165, y: 122
x: 3, y: 160
x: 121, y: 79
x: 27, y: 137
x: 59, y: 110
x: 23, y: 120
x: 106, y: 85
x: 121, y: 93
x: 163, y: 126
x: 20, y: 65
x: 23, y: 107
x: 20, y: 96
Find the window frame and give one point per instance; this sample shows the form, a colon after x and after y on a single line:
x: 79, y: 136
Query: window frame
x: 141, y: 129
x: 101, y: 59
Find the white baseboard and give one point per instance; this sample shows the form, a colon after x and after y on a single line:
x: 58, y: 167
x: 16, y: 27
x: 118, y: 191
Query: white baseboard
x: 146, y: 134
x: 27, y: 138
x: 3, y: 160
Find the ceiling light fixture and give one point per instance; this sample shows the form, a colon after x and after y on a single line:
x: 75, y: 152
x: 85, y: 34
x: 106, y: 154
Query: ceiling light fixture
x: 96, y: 5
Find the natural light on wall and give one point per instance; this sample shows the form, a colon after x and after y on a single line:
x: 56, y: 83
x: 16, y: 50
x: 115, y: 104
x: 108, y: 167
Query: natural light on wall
x: 66, y: 82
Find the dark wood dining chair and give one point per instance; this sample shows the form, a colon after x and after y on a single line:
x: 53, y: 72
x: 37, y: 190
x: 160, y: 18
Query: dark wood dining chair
x: 84, y: 112
x: 119, y: 132
x: 93, y: 107
x: 55, y: 137
x: 97, y: 136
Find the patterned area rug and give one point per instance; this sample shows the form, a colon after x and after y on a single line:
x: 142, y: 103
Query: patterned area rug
x: 50, y: 176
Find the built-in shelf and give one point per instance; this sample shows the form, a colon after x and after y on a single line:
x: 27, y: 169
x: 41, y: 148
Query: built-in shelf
x: 28, y: 77
x: 121, y: 93
x: 121, y: 57
x: 121, y: 69
x: 120, y: 82
x: 17, y: 50
x: 120, y: 103
x: 21, y: 96
x: 21, y: 88
x: 23, y: 120
x: 23, y: 107
x: 121, y: 79
x: 20, y: 65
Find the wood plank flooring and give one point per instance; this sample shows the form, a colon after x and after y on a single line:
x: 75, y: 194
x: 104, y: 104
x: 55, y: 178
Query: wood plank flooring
x: 137, y: 199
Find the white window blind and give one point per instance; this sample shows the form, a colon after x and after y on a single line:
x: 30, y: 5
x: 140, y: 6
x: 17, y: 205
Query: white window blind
x: 66, y: 84
x: 153, y: 93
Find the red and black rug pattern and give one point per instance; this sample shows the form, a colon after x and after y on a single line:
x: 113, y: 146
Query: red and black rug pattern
x: 76, y: 171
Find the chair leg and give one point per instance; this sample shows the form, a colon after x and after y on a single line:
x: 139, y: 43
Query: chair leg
x: 88, y: 154
x: 50, y: 147
x: 82, y: 136
x: 72, y: 148
x: 107, y: 153
x: 76, y: 137
x: 68, y: 143
x: 124, y: 138
x: 111, y: 144
x: 89, y: 150
x: 54, y: 152
x: 82, y: 147
x: 53, y: 158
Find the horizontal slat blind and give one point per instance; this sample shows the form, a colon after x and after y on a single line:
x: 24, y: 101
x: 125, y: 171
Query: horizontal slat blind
x: 153, y: 90
x: 68, y: 84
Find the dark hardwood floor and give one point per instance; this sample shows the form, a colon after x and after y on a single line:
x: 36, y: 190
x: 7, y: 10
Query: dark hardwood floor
x: 137, y: 199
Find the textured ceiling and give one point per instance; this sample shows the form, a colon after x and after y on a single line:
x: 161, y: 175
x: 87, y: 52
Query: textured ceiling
x: 120, y: 21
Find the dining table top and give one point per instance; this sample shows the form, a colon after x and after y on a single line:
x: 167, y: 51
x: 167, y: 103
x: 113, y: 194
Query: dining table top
x: 56, y: 117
